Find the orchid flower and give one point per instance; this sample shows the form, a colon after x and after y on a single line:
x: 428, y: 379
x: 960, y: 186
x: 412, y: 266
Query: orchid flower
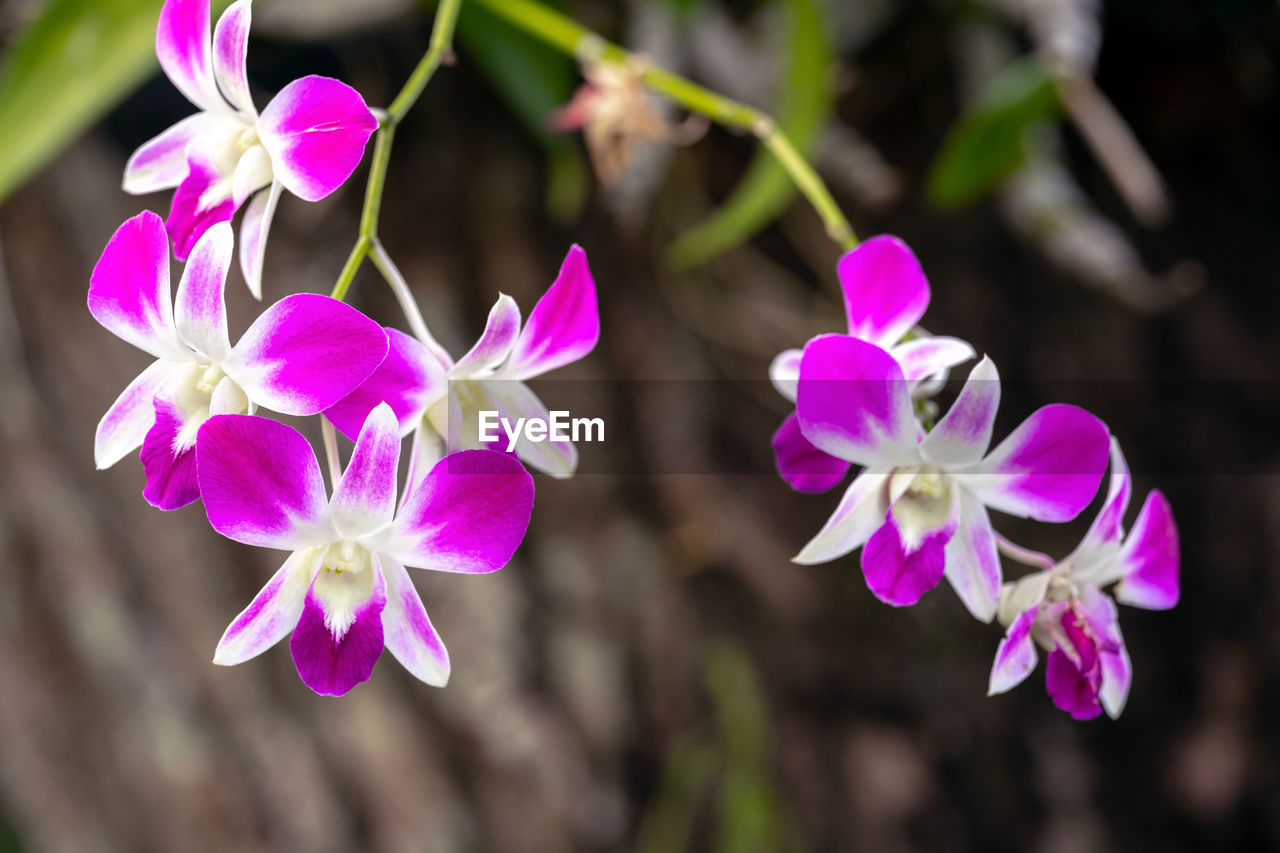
x: 299, y: 357
x: 308, y: 139
x: 344, y: 592
x: 919, y: 509
x: 1063, y: 609
x: 885, y: 295
x: 440, y: 399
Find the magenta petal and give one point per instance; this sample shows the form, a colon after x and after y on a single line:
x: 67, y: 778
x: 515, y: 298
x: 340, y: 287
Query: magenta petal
x: 315, y: 129
x: 182, y: 46
x: 964, y: 433
x: 408, y: 632
x: 885, y: 291
x: 198, y: 204
x: 306, y: 353
x: 1150, y: 558
x: 169, y: 463
x: 409, y: 379
x: 897, y: 575
x: 1048, y: 469
x: 230, y: 47
x: 272, y: 614
x: 329, y: 663
x: 495, y: 343
x: 1016, y: 656
x: 469, y: 514
x: 160, y: 163
x: 200, y: 311
x: 853, y: 402
x: 923, y: 358
x: 260, y: 482
x: 365, y: 499
x: 804, y: 467
x: 565, y: 324
x: 129, y: 290
x: 1071, y: 689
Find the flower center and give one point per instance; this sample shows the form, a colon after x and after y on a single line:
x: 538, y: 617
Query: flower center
x: 344, y: 557
x: 343, y: 584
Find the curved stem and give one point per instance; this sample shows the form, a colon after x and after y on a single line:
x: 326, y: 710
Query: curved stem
x: 440, y: 46
x: 568, y: 36
x: 408, y: 304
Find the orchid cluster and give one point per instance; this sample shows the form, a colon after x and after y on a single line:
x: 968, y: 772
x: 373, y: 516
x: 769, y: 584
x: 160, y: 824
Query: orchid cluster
x: 918, y: 510
x: 198, y: 414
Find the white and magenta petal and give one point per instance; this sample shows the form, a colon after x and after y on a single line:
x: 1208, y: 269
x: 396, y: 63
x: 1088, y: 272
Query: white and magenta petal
x: 973, y: 562
x: 130, y: 417
x: 964, y: 433
x: 513, y: 400
x: 784, y: 372
x: 161, y: 162
x: 564, y: 325
x: 408, y: 632
x: 1107, y: 529
x: 339, y: 635
x: 1048, y: 469
x: 272, y: 614
x: 469, y: 514
x: 305, y: 353
x: 858, y: 515
x: 1117, y: 675
x: 254, y: 228
x: 202, y: 200
x: 200, y: 312
x: 924, y: 358
x: 853, y: 402
x: 261, y: 483
x: 230, y: 48
x: 409, y: 380
x: 899, y: 572
x: 182, y: 46
x: 315, y: 129
x: 495, y: 343
x: 169, y: 458
x: 365, y: 499
x: 885, y: 290
x: 1016, y: 655
x: 804, y: 467
x: 129, y: 292
x: 1150, y: 559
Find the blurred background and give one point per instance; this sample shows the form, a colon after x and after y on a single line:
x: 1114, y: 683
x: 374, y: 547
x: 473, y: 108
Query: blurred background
x: 1092, y: 191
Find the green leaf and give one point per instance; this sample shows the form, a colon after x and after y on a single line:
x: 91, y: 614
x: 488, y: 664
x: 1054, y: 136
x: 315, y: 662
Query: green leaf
x: 70, y: 66
x: 765, y: 190
x: 533, y: 79
x: 987, y: 143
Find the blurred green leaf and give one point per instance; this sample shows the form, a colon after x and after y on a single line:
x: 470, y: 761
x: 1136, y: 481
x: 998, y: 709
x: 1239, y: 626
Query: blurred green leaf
x: 766, y: 190
x: 533, y: 79
x: 986, y: 144
x: 71, y: 65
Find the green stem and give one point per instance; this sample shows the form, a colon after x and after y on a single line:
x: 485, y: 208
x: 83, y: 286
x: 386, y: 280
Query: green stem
x: 569, y: 36
x: 440, y: 46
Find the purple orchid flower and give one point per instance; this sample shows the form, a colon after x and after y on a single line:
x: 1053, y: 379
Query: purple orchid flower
x: 308, y: 140
x: 299, y: 357
x: 1063, y: 609
x: 344, y: 592
x: 920, y: 505
x: 885, y: 295
x: 440, y: 399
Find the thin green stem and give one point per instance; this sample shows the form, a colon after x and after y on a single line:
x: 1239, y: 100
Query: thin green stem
x: 440, y: 46
x: 569, y: 36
